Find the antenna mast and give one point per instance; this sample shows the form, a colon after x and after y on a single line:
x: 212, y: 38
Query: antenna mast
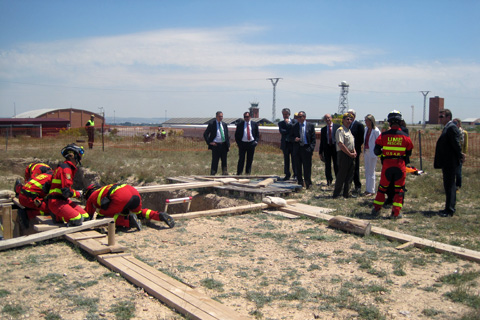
x: 343, y: 101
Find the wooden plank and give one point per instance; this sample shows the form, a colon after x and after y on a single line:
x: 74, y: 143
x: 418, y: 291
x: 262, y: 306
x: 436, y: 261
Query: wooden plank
x: 307, y: 211
x: 313, y: 212
x: 93, y: 247
x: 44, y: 227
x: 87, y: 234
x: 265, y: 183
x: 177, y: 186
x: 21, y: 241
x: 175, y: 294
x: 7, y: 222
x: 422, y: 243
x: 223, y: 211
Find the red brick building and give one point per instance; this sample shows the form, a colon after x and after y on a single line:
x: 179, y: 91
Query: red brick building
x: 436, y: 104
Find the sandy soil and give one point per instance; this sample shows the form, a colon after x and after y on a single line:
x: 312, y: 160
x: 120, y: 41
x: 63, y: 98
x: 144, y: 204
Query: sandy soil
x: 259, y: 264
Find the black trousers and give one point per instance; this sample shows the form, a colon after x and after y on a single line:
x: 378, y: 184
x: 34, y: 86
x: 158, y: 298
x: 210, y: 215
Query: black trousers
x: 247, y: 148
x: 304, y: 161
x: 287, y: 156
x: 219, y: 152
x: 330, y: 154
x: 449, y: 175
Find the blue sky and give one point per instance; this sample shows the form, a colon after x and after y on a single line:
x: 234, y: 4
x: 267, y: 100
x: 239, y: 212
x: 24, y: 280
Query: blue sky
x: 191, y: 58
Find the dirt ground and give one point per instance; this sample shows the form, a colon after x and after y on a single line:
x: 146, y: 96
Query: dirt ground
x: 259, y: 264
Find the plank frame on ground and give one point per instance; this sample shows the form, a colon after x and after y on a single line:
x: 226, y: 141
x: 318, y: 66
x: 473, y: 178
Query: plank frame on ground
x: 188, y: 301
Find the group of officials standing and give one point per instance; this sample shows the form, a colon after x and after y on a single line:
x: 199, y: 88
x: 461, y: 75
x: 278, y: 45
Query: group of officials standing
x: 341, y: 145
x: 218, y: 140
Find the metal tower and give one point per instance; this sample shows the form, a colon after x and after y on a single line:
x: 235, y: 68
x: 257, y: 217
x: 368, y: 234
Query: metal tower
x: 425, y: 93
x: 274, y: 83
x: 343, y: 102
x: 413, y: 111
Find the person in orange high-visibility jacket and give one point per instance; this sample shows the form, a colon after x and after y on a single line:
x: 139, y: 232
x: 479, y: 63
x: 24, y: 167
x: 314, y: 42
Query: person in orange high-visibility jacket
x: 32, y: 170
x: 121, y: 202
x: 33, y: 193
x: 59, y: 204
x: 395, y: 146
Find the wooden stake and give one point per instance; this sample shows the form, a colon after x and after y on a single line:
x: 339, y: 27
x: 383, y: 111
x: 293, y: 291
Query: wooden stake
x: 111, y: 233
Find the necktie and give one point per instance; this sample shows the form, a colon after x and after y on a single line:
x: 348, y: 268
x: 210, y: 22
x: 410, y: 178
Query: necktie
x: 221, y: 131
x: 249, y: 137
x: 303, y: 134
x: 330, y: 135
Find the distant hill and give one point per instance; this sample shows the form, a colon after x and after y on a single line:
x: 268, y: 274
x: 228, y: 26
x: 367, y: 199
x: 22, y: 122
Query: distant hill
x: 136, y: 121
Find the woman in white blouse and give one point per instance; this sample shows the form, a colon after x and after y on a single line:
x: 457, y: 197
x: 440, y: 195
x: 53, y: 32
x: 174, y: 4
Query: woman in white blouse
x: 371, y: 134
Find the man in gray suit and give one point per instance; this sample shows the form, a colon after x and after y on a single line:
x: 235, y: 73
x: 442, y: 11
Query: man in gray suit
x: 448, y: 156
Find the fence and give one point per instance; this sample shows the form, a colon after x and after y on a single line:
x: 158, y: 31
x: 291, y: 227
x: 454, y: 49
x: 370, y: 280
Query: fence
x: 150, y: 138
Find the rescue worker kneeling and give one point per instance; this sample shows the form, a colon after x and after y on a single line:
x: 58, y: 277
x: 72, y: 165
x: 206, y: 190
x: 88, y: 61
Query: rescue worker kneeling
x: 395, y: 146
x: 32, y: 197
x: 60, y: 206
x: 33, y: 169
x: 121, y: 202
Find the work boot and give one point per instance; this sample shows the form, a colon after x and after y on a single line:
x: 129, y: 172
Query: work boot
x: 393, y: 216
x: 22, y: 213
x: 17, y: 187
x: 375, y: 212
x: 167, y: 219
x: 134, y: 222
x: 75, y: 223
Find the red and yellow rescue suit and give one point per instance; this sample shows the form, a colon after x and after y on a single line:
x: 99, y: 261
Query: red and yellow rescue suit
x: 61, y: 190
x: 33, y: 170
x: 36, y: 168
x: 117, y: 201
x: 32, y: 195
x: 394, y: 146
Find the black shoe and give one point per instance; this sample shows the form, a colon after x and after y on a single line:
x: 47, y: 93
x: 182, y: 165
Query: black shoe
x: 22, y: 213
x: 286, y: 178
x: 134, y: 222
x: 445, y: 214
x: 167, y: 219
x: 374, y: 212
x: 392, y: 216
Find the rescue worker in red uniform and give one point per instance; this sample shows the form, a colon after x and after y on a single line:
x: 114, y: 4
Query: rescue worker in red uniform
x: 32, y: 170
x: 90, y: 127
x: 123, y: 203
x: 32, y: 197
x: 59, y: 204
x: 394, y: 146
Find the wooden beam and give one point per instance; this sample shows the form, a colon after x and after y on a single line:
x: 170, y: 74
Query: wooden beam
x: 21, y: 241
x: 7, y: 222
x: 314, y: 212
x: 356, y: 226
x: 223, y: 211
x: 178, y: 186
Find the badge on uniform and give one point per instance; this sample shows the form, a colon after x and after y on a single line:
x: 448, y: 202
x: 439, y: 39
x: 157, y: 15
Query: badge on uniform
x: 69, y: 177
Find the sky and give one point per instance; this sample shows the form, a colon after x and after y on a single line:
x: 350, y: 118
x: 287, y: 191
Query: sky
x: 191, y: 58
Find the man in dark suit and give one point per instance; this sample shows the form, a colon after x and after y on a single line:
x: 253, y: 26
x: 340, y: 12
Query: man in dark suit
x: 327, y: 151
x: 217, y: 139
x: 304, y: 144
x: 358, y: 131
x: 448, y: 156
x: 246, y: 136
x: 285, y: 127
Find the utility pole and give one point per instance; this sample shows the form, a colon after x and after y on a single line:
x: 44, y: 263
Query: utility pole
x: 425, y: 93
x: 274, y: 83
